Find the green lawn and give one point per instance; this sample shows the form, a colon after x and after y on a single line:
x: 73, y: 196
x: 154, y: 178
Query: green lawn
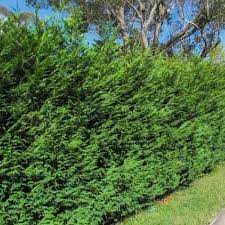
x: 196, y: 205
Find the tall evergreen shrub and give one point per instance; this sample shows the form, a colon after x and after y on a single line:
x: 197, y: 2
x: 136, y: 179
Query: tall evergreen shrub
x: 91, y: 134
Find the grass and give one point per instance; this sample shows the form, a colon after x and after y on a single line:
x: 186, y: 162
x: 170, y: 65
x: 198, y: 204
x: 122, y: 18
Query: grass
x: 196, y: 205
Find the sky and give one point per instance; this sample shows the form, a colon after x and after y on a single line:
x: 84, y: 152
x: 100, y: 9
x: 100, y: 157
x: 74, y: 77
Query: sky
x: 21, y: 5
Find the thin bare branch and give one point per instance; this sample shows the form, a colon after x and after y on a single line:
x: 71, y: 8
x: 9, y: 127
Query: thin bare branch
x: 135, y: 10
x: 151, y: 16
x: 182, y: 15
x: 197, y: 24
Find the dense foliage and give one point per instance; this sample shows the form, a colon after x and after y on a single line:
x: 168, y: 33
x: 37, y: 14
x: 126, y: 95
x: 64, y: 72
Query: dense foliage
x: 91, y: 134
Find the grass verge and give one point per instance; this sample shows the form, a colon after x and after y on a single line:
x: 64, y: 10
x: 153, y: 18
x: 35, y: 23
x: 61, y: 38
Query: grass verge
x: 196, y: 205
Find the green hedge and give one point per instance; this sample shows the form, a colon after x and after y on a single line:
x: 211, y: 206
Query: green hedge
x: 91, y: 134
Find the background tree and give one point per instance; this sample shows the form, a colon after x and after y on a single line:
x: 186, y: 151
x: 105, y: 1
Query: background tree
x: 22, y: 17
x: 168, y: 24
x: 217, y: 55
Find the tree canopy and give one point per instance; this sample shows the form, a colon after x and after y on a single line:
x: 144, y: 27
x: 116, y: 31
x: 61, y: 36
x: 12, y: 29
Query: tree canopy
x: 190, y: 25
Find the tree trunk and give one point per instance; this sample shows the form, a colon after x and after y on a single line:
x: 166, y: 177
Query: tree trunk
x: 122, y: 22
x: 144, y: 39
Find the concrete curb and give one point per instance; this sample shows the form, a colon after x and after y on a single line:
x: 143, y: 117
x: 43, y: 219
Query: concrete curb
x: 219, y: 220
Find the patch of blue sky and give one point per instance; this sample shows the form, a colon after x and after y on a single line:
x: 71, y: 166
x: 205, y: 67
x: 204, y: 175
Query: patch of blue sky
x: 20, y: 5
